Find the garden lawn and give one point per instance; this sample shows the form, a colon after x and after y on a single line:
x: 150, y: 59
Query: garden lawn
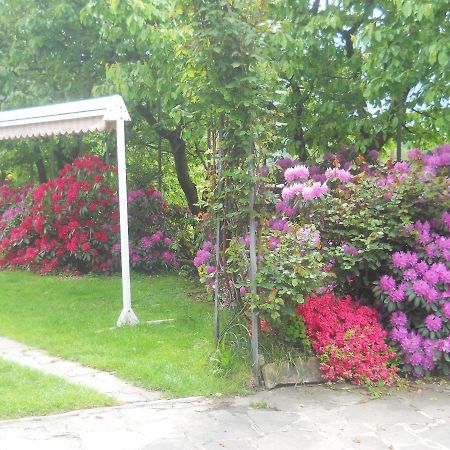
x: 26, y: 392
x: 75, y: 319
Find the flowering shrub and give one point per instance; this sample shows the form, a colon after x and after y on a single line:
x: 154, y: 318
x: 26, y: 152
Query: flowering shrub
x: 348, y: 339
x: 361, y: 212
x: 71, y: 224
x: 68, y: 223
x: 289, y: 269
x: 11, y: 201
x: 416, y: 297
x: 150, y: 244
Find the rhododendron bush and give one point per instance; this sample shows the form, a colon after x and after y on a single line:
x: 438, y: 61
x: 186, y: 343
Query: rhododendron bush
x: 361, y: 212
x: 71, y: 224
x: 348, y: 339
x: 416, y: 297
x: 149, y: 232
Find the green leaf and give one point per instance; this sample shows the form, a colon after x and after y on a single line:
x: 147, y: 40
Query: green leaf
x: 407, y: 8
x: 443, y: 58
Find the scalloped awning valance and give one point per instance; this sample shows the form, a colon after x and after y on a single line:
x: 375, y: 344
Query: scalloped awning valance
x: 98, y: 114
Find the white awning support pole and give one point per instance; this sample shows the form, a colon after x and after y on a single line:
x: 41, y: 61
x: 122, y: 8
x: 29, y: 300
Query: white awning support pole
x: 127, y: 316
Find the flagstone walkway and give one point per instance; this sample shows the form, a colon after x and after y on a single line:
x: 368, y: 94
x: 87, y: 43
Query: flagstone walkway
x: 74, y: 372
x: 290, y: 418
x: 314, y: 417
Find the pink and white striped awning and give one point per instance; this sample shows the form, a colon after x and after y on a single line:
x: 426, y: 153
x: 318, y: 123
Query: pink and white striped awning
x: 98, y: 114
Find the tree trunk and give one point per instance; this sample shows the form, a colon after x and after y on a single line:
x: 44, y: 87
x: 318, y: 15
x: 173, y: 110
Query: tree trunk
x: 181, y: 166
x: 179, y: 153
x: 42, y: 173
x: 59, y: 156
x: 298, y: 134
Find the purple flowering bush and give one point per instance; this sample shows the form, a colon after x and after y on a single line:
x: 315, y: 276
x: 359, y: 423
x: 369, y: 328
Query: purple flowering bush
x: 151, y: 244
x: 364, y: 220
x: 416, y: 298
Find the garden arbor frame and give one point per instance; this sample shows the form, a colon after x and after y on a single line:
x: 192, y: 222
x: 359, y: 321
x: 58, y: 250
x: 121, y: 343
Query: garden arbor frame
x: 97, y: 114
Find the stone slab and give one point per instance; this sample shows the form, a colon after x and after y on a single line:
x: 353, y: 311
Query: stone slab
x: 310, y: 417
x: 301, y: 371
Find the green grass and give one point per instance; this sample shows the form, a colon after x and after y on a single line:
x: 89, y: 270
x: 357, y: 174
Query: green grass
x: 27, y: 392
x: 72, y: 318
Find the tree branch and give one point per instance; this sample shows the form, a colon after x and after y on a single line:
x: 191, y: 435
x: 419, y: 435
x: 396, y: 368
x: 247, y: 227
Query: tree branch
x: 315, y: 7
x: 348, y: 34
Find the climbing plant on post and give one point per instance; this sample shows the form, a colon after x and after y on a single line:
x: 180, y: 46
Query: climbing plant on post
x: 228, y: 58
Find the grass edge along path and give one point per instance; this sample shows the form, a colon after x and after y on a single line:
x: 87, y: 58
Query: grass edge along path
x: 28, y: 392
x: 74, y: 318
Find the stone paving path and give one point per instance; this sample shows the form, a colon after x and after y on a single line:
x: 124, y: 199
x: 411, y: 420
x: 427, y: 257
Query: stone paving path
x: 314, y: 417
x: 74, y: 372
x: 304, y: 417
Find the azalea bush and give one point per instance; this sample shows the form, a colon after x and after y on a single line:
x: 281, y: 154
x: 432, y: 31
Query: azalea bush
x: 415, y: 296
x: 348, y: 339
x: 71, y: 224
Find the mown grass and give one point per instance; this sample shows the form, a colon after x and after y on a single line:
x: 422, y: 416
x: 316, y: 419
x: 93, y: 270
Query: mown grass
x: 75, y: 317
x: 27, y: 392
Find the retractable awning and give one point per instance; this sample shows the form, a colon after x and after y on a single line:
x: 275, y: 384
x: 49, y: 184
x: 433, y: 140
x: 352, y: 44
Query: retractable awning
x: 97, y: 114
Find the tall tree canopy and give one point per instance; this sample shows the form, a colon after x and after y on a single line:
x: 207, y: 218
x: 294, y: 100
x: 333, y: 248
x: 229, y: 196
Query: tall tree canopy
x: 321, y: 73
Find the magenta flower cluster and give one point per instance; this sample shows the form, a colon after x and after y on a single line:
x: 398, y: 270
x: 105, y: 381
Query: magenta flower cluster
x: 419, y: 292
x: 344, y: 176
x: 204, y: 254
x: 296, y: 173
x: 304, y: 192
x: 440, y: 158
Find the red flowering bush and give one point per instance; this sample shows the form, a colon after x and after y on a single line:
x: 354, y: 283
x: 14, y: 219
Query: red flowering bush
x: 348, y: 339
x: 65, y: 224
x: 71, y: 224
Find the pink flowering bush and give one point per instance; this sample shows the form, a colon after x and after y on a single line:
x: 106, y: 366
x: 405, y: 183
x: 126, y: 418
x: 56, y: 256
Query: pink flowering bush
x: 416, y: 298
x: 348, y: 339
x: 151, y: 245
x: 361, y: 209
x: 290, y: 268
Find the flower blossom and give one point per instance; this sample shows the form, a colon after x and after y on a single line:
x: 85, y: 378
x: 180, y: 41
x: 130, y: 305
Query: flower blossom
x: 350, y: 250
x: 296, y: 173
x: 315, y: 191
x: 433, y: 322
x: 387, y: 283
x: 344, y: 176
x: 290, y: 192
x: 398, y: 319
